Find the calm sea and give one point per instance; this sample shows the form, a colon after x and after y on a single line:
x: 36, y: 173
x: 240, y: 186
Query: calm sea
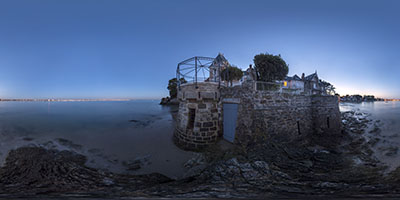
x: 111, y: 134
x: 387, y: 116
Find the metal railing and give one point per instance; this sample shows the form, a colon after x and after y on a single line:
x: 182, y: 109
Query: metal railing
x: 267, y: 86
x: 276, y: 87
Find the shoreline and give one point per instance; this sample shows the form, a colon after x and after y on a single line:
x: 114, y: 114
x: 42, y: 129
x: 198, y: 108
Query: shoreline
x: 333, y: 165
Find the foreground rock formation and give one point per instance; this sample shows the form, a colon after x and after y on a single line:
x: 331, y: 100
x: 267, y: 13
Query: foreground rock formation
x: 38, y: 171
x: 169, y: 101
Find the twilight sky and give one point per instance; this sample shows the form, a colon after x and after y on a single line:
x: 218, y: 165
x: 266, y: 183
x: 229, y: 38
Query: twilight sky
x: 130, y: 49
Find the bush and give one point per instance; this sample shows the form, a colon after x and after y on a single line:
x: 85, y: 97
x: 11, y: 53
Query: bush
x: 172, y: 86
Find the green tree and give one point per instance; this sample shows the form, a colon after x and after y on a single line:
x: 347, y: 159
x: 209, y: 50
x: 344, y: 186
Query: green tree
x: 231, y: 73
x: 270, y: 67
x: 329, y: 88
x: 172, y: 86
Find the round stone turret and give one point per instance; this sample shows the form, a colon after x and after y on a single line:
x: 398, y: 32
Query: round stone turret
x: 199, y: 120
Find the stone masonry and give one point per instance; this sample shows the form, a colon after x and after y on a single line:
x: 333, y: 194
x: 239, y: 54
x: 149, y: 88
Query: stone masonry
x: 266, y: 113
x: 199, y: 116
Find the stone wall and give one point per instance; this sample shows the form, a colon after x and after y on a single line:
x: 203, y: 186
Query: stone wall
x: 263, y: 114
x: 199, y: 116
x: 326, y: 114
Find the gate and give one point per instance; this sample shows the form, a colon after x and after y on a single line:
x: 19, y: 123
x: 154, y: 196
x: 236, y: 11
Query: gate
x: 230, y: 116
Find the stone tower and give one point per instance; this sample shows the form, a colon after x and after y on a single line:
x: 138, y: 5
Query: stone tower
x: 199, y: 120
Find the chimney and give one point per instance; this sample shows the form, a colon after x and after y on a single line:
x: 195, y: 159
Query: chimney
x: 302, y: 76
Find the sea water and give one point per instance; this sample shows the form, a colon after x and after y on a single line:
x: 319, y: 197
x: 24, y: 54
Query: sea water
x: 112, y: 134
x: 387, y: 116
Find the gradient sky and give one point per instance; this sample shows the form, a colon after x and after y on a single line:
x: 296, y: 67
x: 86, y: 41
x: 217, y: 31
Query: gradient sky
x: 130, y: 49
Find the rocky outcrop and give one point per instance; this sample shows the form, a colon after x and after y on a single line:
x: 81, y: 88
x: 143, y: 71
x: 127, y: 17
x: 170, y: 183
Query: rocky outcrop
x: 34, y: 170
x: 169, y: 101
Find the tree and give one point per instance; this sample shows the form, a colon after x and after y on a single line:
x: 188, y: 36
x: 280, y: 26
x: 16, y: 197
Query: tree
x: 270, y: 67
x: 172, y: 86
x: 329, y: 88
x: 231, y: 73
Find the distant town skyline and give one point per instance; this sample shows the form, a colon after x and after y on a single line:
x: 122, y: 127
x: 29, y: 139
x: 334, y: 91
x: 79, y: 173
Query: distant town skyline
x: 130, y: 49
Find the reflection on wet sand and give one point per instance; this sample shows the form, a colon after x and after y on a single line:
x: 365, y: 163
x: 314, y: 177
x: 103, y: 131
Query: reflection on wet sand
x: 132, y: 137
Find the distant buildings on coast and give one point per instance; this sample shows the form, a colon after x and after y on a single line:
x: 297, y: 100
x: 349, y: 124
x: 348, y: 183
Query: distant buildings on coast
x: 366, y: 98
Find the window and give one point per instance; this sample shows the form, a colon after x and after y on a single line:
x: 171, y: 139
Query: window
x: 191, y: 118
x: 327, y: 122
x: 285, y: 83
x: 298, y: 127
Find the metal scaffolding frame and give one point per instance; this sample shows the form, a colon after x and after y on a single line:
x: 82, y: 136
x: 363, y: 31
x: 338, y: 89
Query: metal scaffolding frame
x: 196, y: 69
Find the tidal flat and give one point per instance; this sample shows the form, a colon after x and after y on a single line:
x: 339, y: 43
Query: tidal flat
x: 339, y: 166
x: 130, y: 137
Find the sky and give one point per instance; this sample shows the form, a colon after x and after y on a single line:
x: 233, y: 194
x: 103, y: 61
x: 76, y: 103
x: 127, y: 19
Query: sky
x: 130, y: 49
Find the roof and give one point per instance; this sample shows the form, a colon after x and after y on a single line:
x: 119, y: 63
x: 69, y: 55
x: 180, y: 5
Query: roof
x: 295, y: 78
x: 311, y: 76
x: 220, y: 58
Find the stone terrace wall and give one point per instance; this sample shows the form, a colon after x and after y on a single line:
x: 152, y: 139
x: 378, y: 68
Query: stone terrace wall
x: 205, y: 106
x: 263, y: 113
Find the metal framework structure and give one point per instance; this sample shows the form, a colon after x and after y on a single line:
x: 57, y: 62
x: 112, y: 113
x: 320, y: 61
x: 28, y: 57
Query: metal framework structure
x: 196, y: 69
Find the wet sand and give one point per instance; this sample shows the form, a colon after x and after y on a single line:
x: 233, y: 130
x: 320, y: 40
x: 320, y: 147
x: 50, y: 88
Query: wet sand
x: 121, y: 137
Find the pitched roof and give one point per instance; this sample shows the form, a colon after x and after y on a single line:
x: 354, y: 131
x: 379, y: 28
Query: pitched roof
x: 220, y: 58
x: 295, y: 77
x: 219, y: 61
x: 311, y: 76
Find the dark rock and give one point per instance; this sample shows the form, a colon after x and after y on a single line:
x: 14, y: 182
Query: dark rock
x: 137, y: 163
x: 28, y: 139
x: 69, y: 144
x: 169, y: 101
x: 34, y: 170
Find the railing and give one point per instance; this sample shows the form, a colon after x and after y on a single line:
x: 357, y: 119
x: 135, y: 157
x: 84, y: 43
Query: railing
x: 276, y: 87
x: 267, y: 86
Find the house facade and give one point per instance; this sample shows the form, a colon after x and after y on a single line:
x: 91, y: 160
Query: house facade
x: 307, y: 85
x: 313, y: 85
x: 293, y: 83
x: 220, y: 63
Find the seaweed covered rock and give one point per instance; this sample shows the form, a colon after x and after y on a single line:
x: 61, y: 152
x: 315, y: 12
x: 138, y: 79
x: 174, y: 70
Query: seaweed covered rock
x: 34, y: 170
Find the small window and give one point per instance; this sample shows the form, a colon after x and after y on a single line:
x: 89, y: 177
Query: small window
x: 327, y: 122
x: 192, y: 116
x: 298, y: 128
x: 285, y: 83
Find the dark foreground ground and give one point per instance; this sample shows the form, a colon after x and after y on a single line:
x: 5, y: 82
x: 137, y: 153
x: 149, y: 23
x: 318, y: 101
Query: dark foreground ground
x: 322, y: 167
